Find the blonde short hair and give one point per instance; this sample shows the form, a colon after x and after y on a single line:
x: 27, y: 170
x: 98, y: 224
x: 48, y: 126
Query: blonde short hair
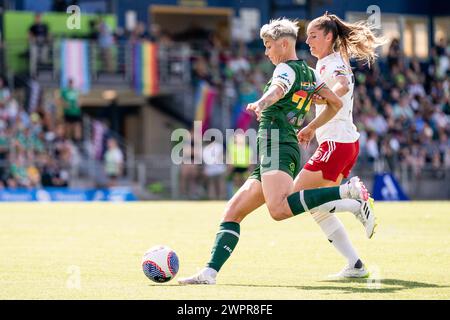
x: 278, y: 28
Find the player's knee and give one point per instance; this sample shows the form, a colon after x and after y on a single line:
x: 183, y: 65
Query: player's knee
x: 231, y: 213
x: 277, y: 216
x: 277, y: 212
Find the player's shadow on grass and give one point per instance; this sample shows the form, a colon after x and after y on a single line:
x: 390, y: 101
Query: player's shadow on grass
x: 371, y: 285
x: 381, y: 285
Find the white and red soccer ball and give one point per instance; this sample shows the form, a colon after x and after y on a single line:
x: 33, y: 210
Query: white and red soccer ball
x: 160, y: 264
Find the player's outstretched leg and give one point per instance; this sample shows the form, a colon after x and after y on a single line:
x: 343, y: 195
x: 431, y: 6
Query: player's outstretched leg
x: 325, y: 217
x: 305, y: 200
x: 247, y: 199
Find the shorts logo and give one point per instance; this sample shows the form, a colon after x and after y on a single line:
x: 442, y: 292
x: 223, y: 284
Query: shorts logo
x: 317, y: 155
x: 292, y: 167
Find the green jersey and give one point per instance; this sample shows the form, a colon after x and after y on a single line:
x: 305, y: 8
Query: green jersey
x: 70, y: 96
x: 298, y: 82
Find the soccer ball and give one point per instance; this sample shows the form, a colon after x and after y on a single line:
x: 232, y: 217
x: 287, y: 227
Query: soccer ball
x: 160, y: 264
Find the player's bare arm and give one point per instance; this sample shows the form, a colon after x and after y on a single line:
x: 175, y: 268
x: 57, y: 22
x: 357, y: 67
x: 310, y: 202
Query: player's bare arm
x: 340, y: 89
x: 333, y: 105
x: 272, y: 95
x: 342, y: 86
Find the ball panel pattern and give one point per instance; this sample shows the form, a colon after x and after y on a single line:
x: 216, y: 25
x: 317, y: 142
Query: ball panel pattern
x: 154, y: 272
x: 173, y: 263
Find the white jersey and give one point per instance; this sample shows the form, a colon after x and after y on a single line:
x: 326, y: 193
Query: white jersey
x: 341, y: 127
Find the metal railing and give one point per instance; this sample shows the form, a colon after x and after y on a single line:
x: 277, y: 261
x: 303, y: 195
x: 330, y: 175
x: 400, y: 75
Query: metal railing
x: 104, y: 63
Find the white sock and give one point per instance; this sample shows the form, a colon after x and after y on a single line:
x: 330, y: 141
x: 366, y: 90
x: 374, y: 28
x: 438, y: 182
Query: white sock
x: 343, y: 205
x: 343, y: 191
x: 336, y: 234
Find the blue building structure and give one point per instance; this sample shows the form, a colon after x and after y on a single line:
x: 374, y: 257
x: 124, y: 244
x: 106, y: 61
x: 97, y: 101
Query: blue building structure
x: 434, y: 14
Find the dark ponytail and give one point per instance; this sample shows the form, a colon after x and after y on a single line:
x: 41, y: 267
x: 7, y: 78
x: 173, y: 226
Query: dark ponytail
x: 352, y: 40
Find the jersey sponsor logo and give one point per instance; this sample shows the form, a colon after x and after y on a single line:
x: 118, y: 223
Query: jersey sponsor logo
x: 283, y: 77
x: 341, y: 71
x: 308, y: 86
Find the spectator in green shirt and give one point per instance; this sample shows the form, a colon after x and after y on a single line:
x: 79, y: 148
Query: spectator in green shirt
x: 72, y: 111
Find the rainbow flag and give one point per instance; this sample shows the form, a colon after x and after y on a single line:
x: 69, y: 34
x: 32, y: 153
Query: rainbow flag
x: 242, y: 118
x: 144, y: 67
x: 75, y: 64
x: 204, y: 102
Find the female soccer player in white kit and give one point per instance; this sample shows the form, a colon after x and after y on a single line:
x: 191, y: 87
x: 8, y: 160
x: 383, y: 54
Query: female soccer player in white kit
x: 334, y: 42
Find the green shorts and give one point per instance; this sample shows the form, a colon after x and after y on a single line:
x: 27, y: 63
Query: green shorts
x: 286, y: 157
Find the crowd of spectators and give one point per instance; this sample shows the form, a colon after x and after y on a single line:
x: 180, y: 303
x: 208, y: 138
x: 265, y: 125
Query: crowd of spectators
x: 402, y: 110
x: 401, y: 104
x: 42, y: 144
x: 35, y: 149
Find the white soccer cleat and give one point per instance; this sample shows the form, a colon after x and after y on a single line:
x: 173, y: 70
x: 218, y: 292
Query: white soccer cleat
x: 204, y: 276
x: 366, y: 215
x: 351, y: 272
x: 356, y: 189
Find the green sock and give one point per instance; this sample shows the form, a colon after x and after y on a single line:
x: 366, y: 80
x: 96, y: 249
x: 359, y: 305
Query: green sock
x: 304, y: 200
x: 226, y: 240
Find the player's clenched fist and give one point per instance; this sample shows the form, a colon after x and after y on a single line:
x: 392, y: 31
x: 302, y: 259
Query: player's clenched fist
x: 317, y: 99
x: 256, y: 108
x: 306, y: 135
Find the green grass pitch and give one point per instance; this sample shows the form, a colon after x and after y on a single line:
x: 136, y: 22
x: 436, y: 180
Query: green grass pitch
x: 94, y: 251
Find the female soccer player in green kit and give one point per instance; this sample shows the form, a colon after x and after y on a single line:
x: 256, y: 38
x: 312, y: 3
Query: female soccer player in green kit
x: 286, y: 100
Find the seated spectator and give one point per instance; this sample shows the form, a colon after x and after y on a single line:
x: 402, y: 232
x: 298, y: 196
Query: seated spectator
x: 214, y: 169
x: 53, y: 175
x: 189, y: 170
x: 403, y: 109
x: 114, y: 162
x: 18, y: 170
x: 372, y: 147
